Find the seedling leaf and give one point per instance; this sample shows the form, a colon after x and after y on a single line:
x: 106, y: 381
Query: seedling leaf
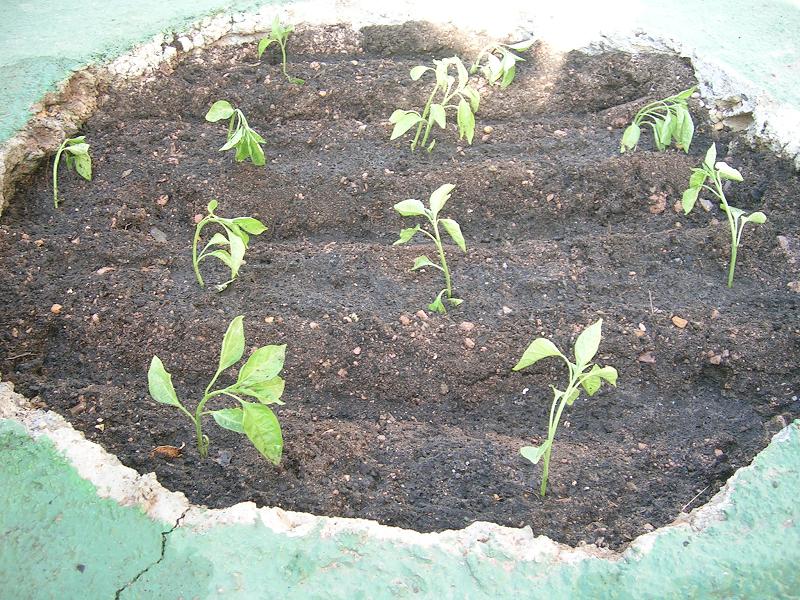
x: 424, y: 261
x: 728, y: 172
x: 436, y: 305
x: 418, y: 71
x: 159, y: 383
x: 262, y: 428
x: 232, y: 344
x: 587, y: 344
x: 756, y: 217
x: 439, y: 197
x: 689, y: 198
x: 406, y: 235
x: 711, y: 157
x: 537, y: 350
x: 438, y: 115
x: 263, y: 364
x: 466, y: 121
x: 229, y: 418
x: 404, y: 123
x: 221, y: 109
x: 266, y: 392
x: 410, y: 208
x: 453, y: 229
x: 250, y: 225
x: 535, y: 453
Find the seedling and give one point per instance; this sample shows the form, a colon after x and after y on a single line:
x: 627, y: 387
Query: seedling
x: 715, y: 172
x: 258, y: 378
x: 77, y: 156
x: 582, y: 373
x: 279, y: 35
x: 414, y: 208
x: 246, y: 141
x: 450, y: 90
x: 501, y: 62
x: 238, y: 232
x: 668, y: 118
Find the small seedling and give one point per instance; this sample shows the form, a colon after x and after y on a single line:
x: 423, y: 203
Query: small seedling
x: 279, y: 35
x: 238, y: 232
x: 258, y: 378
x: 668, y: 118
x: 246, y: 141
x: 582, y: 373
x: 501, y: 62
x: 77, y: 156
x: 414, y: 208
x: 715, y: 172
x: 450, y: 90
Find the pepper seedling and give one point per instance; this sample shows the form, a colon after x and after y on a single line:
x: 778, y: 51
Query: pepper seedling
x: 258, y: 378
x: 668, y: 118
x: 450, y: 89
x: 582, y: 373
x: 715, y: 172
x: 77, y: 157
x: 238, y: 231
x: 414, y: 208
x: 246, y: 141
x: 279, y: 35
x: 501, y: 62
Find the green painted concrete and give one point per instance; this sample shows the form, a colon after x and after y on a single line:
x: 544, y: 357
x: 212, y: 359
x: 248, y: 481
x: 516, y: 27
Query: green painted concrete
x: 51, y: 521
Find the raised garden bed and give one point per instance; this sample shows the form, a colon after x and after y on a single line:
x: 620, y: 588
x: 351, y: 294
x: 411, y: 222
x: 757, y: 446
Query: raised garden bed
x: 414, y: 419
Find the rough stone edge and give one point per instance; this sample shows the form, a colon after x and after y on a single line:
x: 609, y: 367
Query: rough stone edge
x: 128, y: 488
x: 60, y: 114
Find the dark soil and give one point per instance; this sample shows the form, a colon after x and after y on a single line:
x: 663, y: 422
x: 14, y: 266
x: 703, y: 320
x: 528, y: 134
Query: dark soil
x: 417, y: 425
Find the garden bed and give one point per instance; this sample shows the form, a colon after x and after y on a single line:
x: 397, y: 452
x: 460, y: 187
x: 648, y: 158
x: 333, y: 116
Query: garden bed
x: 411, y: 418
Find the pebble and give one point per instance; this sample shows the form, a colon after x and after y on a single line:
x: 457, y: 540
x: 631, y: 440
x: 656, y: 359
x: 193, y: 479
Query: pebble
x: 422, y: 315
x: 313, y: 325
x: 679, y: 322
x: 647, y: 358
x: 342, y: 373
x: 718, y: 452
x: 269, y: 319
x: 56, y: 309
x: 197, y: 218
x: 507, y: 311
x: 706, y: 204
x: 469, y: 343
x: 162, y: 200
x: 223, y: 458
x: 714, y: 313
x: 642, y: 446
x: 405, y: 320
x: 323, y: 93
x: 95, y: 318
x: 794, y: 286
x: 444, y: 389
x: 466, y: 326
x: 488, y: 129
x: 357, y: 350
x: 158, y: 235
x: 715, y: 360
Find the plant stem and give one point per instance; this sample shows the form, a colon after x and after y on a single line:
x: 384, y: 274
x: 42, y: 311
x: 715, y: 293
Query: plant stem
x: 445, y: 270
x: 425, y: 113
x: 732, y: 225
x: 283, y: 58
x: 55, y: 172
x: 195, y: 263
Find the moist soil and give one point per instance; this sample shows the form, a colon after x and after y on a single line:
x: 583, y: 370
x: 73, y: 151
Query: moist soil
x: 392, y: 412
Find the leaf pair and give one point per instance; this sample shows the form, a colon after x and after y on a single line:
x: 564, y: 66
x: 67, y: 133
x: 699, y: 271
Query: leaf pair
x: 447, y: 89
x: 501, y: 68
x: 258, y: 378
x: 582, y: 373
x: 415, y: 208
x: 246, y: 141
x: 279, y: 35
x: 236, y: 239
x: 669, y: 119
x: 76, y: 154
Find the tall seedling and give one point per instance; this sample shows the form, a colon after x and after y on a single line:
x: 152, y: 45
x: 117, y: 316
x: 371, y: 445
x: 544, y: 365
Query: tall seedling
x: 668, y: 118
x: 500, y: 62
x: 236, y: 239
x: 258, y: 379
x: 415, y: 208
x: 714, y: 172
x: 246, y: 141
x: 77, y: 157
x: 449, y: 93
x: 582, y: 373
x: 279, y: 35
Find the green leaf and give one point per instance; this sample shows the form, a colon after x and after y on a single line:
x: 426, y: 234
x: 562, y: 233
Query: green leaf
x: 256, y: 153
x: 212, y: 206
x: 591, y: 384
x: 221, y: 109
x: 78, y: 149
x: 522, y: 46
x: 535, y: 453
x: 698, y: 178
x: 732, y: 211
x: 474, y: 98
x: 756, y: 217
x: 573, y: 395
x: 238, y: 249
x: 250, y: 225
x: 159, y: 382
x: 229, y: 418
x: 223, y: 256
x: 663, y: 131
x: 587, y: 344
x: 596, y: 376
x: 684, y: 131
x: 424, y: 261
x: 418, y: 71
x: 455, y: 301
x: 234, y: 139
x: 686, y: 94
x: 70, y: 161
x: 439, y: 197
x: 404, y: 122
x: 436, y: 305
x: 453, y: 229
x: 410, y: 208
x: 689, y: 198
x: 431, y: 145
x: 407, y: 234
x: 262, y: 428
x: 630, y: 138
x: 463, y: 76
x: 508, y: 76
x: 466, y: 121
x: 232, y: 344
x: 76, y: 140
x: 711, y: 157
x: 267, y: 392
x: 609, y: 374
x: 264, y: 44
x: 727, y: 172
x: 218, y: 240
x: 537, y: 350
x: 83, y: 165
x: 264, y: 363
x: 438, y: 115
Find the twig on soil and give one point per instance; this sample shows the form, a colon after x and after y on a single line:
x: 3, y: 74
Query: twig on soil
x: 652, y: 309
x: 685, y: 506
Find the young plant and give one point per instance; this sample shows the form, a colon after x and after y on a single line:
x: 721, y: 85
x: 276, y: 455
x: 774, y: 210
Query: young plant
x: 246, y: 141
x: 279, y: 35
x: 453, y: 94
x: 668, y: 118
x: 582, y: 373
x: 77, y: 156
x: 258, y: 379
x: 714, y: 172
x: 501, y: 62
x: 238, y: 232
x: 414, y: 208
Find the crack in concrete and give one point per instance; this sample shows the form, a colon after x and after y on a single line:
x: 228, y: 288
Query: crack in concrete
x: 164, y: 535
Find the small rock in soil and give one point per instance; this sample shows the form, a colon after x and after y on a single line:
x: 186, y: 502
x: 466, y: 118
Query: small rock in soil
x: 507, y: 311
x: 444, y: 389
x: 706, y: 204
x: 469, y: 343
x: 422, y: 314
x: 223, y: 458
x: 158, y: 235
x: 197, y: 218
x: 342, y: 373
x: 357, y: 350
x: 56, y: 309
x: 466, y: 326
x: 715, y: 359
x: 647, y: 358
x: 679, y: 322
x: 405, y: 320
